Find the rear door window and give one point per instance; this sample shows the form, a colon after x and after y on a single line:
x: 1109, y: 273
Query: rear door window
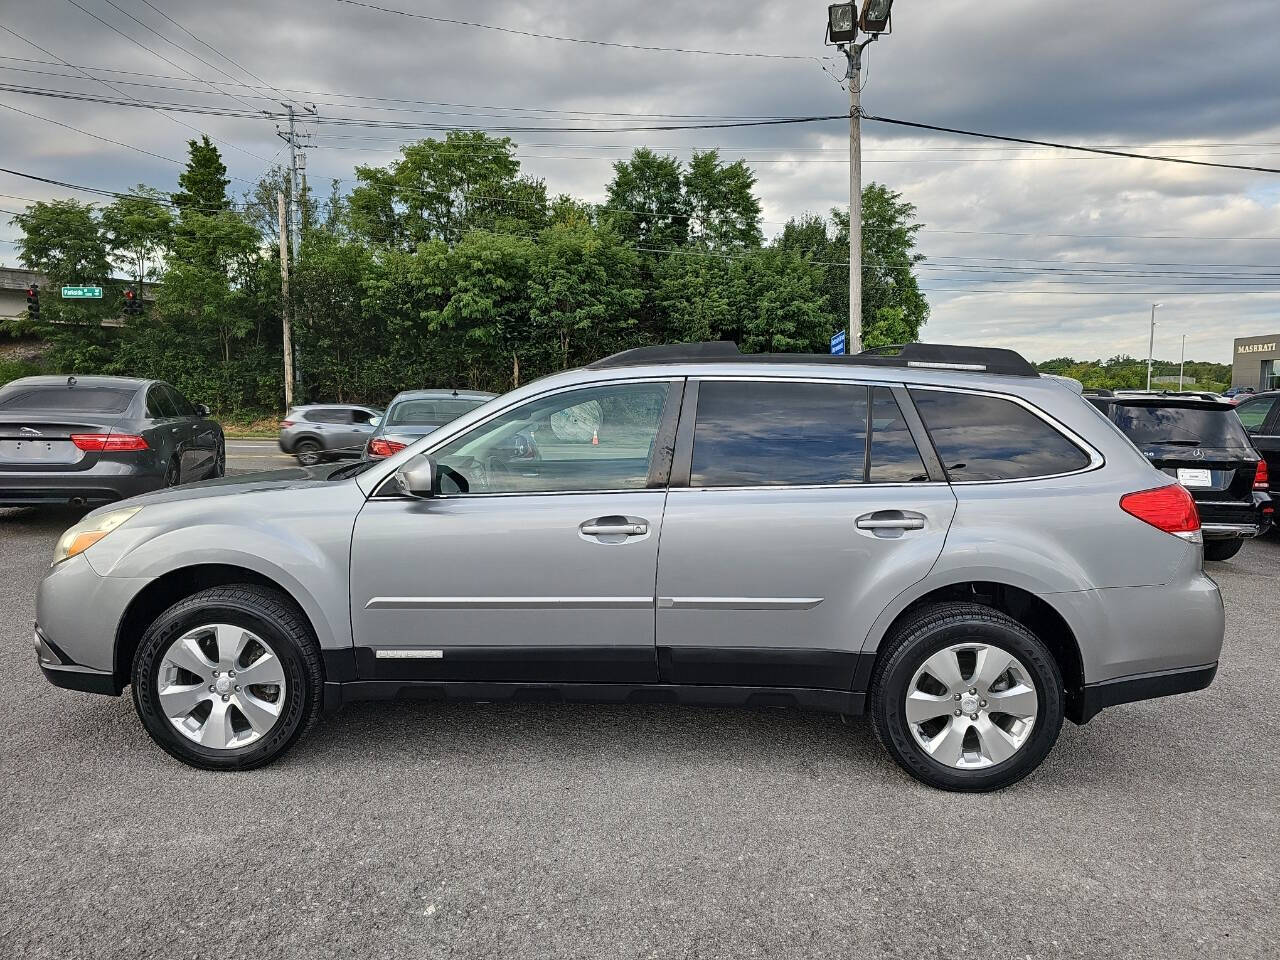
x: 1148, y: 425
x: 980, y: 437
x: 62, y: 399
x: 159, y: 405
x: 894, y: 457
x: 178, y: 402
x: 760, y: 433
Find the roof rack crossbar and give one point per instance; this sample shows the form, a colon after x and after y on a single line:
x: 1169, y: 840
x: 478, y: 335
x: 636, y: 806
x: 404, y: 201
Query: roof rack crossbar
x: 928, y: 356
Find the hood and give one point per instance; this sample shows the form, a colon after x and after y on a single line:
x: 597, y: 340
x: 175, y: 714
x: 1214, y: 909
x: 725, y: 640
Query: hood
x: 289, y: 478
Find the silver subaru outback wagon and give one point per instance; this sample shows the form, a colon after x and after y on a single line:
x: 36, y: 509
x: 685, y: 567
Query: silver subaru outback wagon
x: 937, y: 536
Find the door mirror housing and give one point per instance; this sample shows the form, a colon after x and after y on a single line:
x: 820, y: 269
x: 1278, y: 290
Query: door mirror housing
x: 417, y: 478
x: 202, y: 410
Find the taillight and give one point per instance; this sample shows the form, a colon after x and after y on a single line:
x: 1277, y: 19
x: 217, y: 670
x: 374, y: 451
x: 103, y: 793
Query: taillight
x: 1260, y: 479
x: 109, y: 442
x: 286, y: 424
x: 1170, y: 509
x: 384, y: 448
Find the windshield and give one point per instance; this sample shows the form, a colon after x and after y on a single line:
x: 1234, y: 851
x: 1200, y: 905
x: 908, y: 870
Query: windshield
x: 66, y: 399
x: 429, y: 411
x: 1180, y: 426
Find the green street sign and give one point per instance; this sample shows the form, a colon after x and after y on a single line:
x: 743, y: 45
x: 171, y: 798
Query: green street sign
x: 81, y: 293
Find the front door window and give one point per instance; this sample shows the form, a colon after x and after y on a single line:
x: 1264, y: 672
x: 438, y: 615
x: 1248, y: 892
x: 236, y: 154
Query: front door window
x: 590, y: 440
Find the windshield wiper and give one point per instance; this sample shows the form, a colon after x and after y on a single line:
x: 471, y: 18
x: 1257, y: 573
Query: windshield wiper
x: 1188, y: 442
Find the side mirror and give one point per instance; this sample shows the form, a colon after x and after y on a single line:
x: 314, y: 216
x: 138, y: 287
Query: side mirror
x: 417, y: 478
x: 202, y: 410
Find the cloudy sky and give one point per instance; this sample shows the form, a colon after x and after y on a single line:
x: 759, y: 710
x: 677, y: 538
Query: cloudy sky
x: 1048, y: 252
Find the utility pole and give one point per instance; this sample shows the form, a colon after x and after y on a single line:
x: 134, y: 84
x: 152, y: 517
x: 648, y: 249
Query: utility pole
x: 854, y: 53
x: 844, y: 22
x: 285, y: 306
x: 295, y: 237
x: 1182, y: 364
x: 1151, y: 345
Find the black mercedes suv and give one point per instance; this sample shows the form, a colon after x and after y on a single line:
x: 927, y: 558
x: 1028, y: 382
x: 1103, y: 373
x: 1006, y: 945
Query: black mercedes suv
x: 1198, y: 439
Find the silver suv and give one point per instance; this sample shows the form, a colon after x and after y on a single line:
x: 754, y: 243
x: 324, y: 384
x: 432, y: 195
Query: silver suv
x: 939, y: 537
x: 322, y: 431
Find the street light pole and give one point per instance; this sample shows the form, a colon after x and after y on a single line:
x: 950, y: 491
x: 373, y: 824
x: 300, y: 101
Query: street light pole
x: 854, y: 53
x: 844, y: 21
x: 1183, y: 362
x: 1151, y: 346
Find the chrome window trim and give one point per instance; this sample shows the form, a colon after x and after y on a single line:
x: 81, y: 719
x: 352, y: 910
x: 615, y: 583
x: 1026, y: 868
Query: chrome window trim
x: 410, y: 450
x: 1096, y: 459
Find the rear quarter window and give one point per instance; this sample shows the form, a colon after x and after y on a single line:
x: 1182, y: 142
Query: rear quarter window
x: 981, y: 437
x: 62, y: 399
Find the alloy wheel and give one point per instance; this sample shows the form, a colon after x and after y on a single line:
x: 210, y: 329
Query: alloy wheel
x: 971, y: 705
x: 221, y: 686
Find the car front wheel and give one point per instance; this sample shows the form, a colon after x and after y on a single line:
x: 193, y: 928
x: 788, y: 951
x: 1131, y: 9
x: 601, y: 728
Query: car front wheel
x: 966, y: 698
x: 229, y: 678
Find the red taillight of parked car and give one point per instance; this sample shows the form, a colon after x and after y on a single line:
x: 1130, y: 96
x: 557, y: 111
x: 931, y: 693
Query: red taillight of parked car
x: 1260, y: 479
x: 109, y: 442
x: 1170, y: 509
x: 286, y: 424
x: 384, y: 448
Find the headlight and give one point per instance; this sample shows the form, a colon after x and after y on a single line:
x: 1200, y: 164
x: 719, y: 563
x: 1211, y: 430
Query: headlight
x: 88, y: 532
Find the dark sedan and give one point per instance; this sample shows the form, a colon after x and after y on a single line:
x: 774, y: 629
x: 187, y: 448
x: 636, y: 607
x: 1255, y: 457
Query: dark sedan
x: 93, y: 440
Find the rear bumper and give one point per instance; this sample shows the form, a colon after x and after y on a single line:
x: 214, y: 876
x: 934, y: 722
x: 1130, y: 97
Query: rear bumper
x: 1083, y: 706
x: 1230, y: 531
x: 1228, y: 520
x: 90, y: 487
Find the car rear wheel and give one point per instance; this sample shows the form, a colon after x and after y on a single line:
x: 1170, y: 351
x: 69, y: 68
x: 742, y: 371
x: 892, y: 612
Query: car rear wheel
x: 1222, y: 549
x: 228, y: 679
x: 307, y: 452
x: 966, y: 698
x: 173, y: 474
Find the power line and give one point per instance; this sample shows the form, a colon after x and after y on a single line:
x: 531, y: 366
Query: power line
x: 67, y: 126
x: 125, y: 93
x: 239, y: 66
x: 1061, y: 146
x: 140, y: 45
x: 597, y: 43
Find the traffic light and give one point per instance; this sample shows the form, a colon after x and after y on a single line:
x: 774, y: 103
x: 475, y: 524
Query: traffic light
x: 132, y: 305
x: 33, y: 301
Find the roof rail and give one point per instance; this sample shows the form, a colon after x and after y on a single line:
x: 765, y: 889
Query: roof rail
x: 936, y: 356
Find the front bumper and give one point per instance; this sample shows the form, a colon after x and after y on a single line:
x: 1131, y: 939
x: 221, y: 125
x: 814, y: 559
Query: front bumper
x: 60, y: 670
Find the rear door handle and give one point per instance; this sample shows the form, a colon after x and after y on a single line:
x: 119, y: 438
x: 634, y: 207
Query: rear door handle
x: 608, y: 527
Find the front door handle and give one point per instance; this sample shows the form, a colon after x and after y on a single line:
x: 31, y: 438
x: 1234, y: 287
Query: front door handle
x: 871, y: 522
x: 606, y: 528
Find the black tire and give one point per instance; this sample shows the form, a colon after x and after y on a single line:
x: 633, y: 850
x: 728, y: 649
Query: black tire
x: 273, y: 617
x: 173, y: 475
x: 935, y: 628
x: 307, y: 452
x: 1223, y: 549
x: 220, y: 460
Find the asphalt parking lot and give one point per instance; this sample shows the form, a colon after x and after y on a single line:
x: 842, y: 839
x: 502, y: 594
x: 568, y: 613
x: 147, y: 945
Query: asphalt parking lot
x: 424, y: 830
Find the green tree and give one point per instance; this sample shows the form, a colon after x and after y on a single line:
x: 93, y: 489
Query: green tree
x: 139, y: 230
x: 584, y: 292
x: 440, y: 189
x: 645, y: 204
x: 725, y: 212
x: 64, y: 241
